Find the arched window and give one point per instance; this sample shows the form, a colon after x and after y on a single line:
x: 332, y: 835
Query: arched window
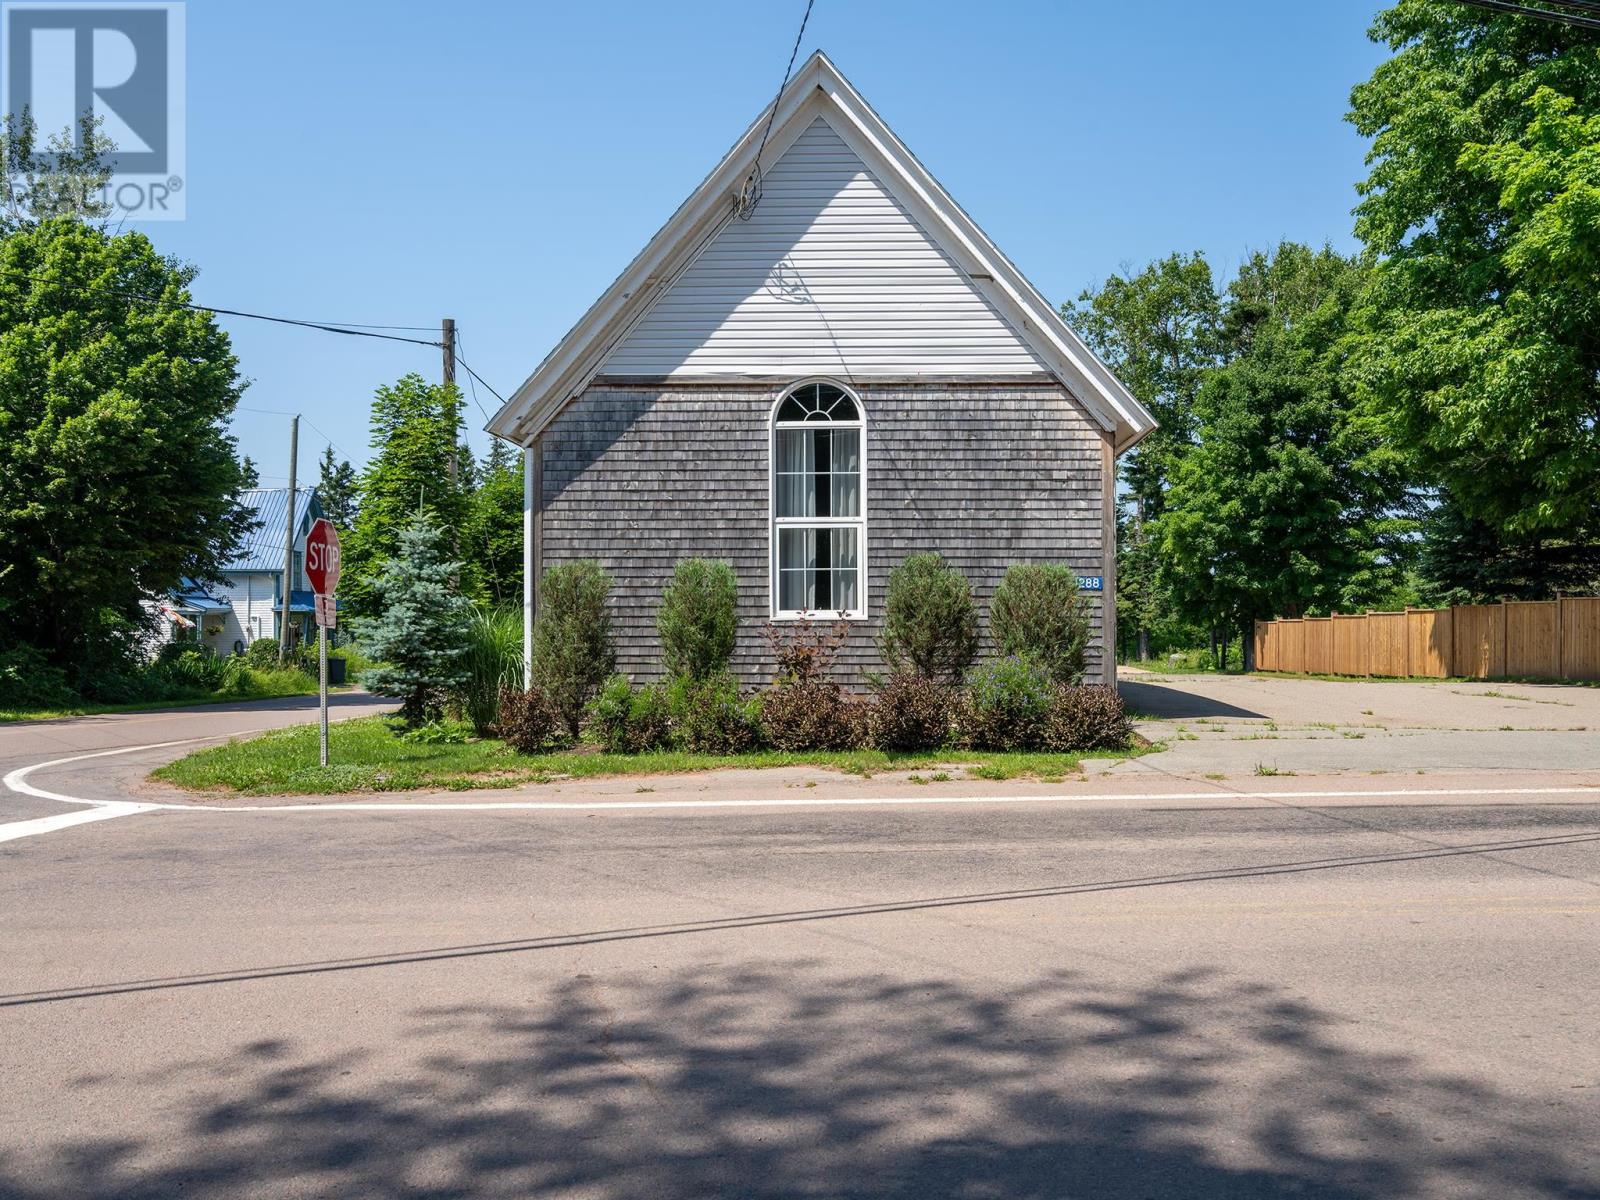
x: 819, y: 502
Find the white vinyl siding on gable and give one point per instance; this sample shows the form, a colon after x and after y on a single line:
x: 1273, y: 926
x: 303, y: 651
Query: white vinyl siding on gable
x: 830, y: 275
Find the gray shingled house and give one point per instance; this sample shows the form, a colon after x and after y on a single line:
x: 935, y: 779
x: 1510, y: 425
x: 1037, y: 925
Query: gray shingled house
x: 818, y: 366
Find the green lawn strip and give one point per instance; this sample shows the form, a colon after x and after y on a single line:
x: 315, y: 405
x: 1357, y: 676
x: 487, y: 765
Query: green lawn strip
x: 274, y: 692
x: 367, y: 757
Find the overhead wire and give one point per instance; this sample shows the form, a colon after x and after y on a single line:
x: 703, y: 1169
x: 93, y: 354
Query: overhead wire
x: 1571, y: 13
x: 750, y: 192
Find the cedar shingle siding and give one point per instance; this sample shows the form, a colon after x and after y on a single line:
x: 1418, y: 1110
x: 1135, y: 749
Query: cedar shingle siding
x: 638, y: 476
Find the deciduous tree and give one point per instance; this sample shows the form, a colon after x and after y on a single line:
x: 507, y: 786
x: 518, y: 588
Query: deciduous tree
x: 117, y: 475
x: 1482, y: 208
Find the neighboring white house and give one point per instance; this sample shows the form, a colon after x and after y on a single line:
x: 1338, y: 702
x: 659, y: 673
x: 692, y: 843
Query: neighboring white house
x: 247, y: 604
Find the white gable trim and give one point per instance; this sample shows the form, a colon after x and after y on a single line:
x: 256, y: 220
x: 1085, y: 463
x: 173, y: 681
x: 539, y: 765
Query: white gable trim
x: 818, y: 90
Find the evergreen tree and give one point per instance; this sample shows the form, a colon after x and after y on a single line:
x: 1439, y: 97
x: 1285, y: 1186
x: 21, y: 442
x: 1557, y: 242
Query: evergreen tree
x: 1467, y: 561
x: 249, y: 476
x: 337, y: 487
x: 420, y: 633
x: 491, y: 543
x: 416, y: 426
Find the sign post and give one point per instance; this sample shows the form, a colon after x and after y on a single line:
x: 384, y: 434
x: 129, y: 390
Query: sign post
x: 322, y: 569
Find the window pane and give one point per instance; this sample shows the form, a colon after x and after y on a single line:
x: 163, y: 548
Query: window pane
x: 844, y: 490
x: 817, y: 569
x: 796, y: 474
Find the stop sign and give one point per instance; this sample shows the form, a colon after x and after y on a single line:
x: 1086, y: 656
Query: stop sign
x: 322, y: 556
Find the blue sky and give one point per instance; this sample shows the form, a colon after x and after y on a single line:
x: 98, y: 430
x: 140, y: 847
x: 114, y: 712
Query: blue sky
x: 391, y: 161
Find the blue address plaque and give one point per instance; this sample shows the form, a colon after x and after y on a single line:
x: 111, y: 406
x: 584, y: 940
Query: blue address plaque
x: 1091, y: 583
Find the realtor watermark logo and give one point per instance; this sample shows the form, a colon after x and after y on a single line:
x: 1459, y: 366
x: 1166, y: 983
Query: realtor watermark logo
x: 121, y: 65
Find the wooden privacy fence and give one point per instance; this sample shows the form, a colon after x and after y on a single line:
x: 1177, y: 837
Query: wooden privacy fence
x: 1544, y: 639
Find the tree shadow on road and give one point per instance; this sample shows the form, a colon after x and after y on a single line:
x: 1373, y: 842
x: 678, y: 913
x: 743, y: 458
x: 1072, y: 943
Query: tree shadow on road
x: 793, y: 1080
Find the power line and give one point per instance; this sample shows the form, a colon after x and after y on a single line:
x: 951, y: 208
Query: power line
x: 472, y: 378
x: 143, y: 298
x: 1572, y: 17
x: 351, y: 331
x: 750, y: 193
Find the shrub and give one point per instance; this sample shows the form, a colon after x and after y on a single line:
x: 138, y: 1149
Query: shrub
x: 529, y: 722
x: 572, y: 647
x: 702, y: 716
x: 27, y: 680
x: 1039, y: 612
x: 911, y: 712
x: 1006, y: 706
x: 698, y: 618
x: 263, y: 652
x: 708, y: 716
x: 494, y: 661
x: 930, y: 624
x: 187, y: 668
x: 1087, y: 718
x: 625, y: 721
x: 814, y: 715
x: 802, y: 651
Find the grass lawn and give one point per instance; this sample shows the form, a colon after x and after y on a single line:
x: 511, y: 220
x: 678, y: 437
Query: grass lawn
x: 367, y: 757
x: 271, y: 686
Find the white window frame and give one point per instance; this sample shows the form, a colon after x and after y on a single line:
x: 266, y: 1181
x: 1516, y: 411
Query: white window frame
x: 775, y: 522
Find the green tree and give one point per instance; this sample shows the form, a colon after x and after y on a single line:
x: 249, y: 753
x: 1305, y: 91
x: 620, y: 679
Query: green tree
x: 1160, y: 332
x: 421, y: 631
x: 491, y: 540
x: 66, y: 177
x: 1293, y: 500
x: 1039, y: 613
x: 1467, y: 561
x: 249, y: 475
x: 117, y: 475
x: 415, y: 426
x: 338, y: 489
x: 1480, y: 207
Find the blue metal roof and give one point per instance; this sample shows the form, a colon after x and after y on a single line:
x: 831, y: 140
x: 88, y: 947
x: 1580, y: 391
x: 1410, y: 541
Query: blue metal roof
x: 262, y: 547
x: 191, y: 595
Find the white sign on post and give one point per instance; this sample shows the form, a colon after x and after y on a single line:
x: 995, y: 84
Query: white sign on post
x: 327, y: 612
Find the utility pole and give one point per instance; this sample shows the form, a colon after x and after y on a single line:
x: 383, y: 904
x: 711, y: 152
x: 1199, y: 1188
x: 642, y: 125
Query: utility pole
x: 288, y: 541
x: 448, y: 339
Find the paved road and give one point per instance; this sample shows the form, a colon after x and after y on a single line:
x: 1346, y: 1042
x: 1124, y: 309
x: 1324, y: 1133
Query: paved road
x: 1135, y: 997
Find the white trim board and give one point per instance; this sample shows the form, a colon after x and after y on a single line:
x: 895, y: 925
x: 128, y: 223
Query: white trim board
x: 818, y: 89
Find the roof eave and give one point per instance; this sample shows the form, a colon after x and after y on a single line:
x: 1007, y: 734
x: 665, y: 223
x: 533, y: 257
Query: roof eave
x: 568, y: 368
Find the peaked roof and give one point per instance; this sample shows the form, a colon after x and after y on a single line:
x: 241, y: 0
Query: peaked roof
x: 817, y: 89
x: 262, y: 547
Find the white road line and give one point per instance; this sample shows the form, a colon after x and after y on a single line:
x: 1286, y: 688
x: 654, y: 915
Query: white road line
x: 99, y: 810
x: 96, y: 810
x: 13, y: 830
x: 857, y: 801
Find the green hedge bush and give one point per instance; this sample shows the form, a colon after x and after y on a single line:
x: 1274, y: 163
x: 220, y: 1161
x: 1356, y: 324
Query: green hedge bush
x: 573, y: 650
x: 698, y: 619
x: 1006, y: 706
x: 1038, y: 612
x: 930, y: 623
